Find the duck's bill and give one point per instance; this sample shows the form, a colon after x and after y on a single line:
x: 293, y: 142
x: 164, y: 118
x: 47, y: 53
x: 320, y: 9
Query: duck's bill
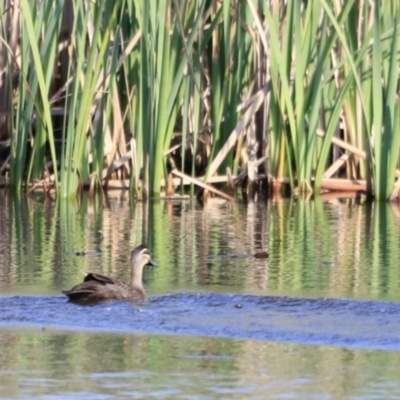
x: 152, y: 263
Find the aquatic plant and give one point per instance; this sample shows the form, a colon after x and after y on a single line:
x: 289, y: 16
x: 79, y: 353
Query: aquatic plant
x: 117, y: 93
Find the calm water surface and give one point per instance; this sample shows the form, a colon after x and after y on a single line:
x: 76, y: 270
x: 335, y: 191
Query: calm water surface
x: 319, y: 318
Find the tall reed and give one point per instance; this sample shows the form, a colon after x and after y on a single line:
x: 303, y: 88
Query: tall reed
x: 243, y: 81
x: 40, y: 26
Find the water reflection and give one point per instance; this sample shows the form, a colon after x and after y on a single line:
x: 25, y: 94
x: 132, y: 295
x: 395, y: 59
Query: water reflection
x: 65, y: 365
x: 336, y: 249
x: 317, y: 249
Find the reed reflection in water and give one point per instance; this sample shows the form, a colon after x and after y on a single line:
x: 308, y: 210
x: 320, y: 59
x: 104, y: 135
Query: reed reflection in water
x: 57, y: 365
x: 339, y: 249
x: 317, y: 249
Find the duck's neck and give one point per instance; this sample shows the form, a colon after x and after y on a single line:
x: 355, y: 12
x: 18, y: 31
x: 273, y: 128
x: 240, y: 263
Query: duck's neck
x: 136, y: 276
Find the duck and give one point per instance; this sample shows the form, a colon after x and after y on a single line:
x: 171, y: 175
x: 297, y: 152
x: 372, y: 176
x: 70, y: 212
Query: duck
x: 96, y: 288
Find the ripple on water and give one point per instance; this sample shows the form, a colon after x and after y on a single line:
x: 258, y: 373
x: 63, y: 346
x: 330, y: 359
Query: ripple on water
x: 308, y: 321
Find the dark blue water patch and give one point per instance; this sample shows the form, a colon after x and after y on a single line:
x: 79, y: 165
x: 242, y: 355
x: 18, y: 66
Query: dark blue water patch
x: 336, y: 322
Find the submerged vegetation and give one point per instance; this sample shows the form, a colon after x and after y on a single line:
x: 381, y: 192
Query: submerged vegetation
x: 254, y: 93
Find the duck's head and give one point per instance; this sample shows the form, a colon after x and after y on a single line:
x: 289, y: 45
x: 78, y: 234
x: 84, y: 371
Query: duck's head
x: 141, y: 256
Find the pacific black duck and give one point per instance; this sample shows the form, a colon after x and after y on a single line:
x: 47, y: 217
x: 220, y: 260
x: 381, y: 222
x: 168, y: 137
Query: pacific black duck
x: 96, y: 287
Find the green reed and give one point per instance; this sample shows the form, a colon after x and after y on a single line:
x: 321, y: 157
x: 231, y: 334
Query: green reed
x: 137, y: 75
x: 91, y: 73
x: 35, y: 79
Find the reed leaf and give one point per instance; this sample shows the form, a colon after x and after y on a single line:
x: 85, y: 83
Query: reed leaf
x: 76, y: 162
x: 51, y: 13
x: 391, y: 118
x: 39, y: 78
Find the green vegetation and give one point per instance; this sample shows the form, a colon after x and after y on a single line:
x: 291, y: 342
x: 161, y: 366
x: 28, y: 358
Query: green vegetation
x: 101, y: 91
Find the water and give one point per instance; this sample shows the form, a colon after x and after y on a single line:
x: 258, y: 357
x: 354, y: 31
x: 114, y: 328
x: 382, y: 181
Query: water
x: 335, y: 322
x: 317, y: 319
x: 80, y: 365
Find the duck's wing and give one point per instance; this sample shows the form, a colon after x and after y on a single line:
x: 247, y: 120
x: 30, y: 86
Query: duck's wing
x: 103, y: 279
x: 80, y: 294
x: 96, y: 288
x: 93, y: 291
